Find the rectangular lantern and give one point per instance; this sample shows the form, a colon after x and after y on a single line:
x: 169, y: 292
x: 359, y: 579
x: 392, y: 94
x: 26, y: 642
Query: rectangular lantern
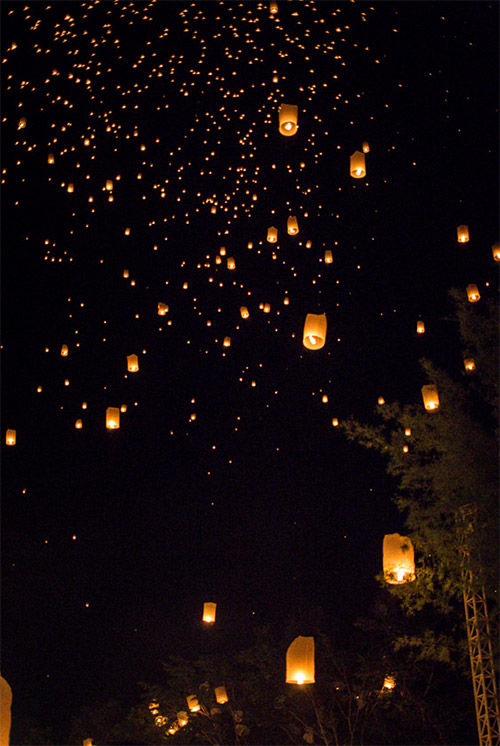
x: 420, y: 327
x: 64, y: 350
x: 272, y: 234
x: 300, y: 661
x: 365, y: 147
x: 469, y: 364
x: 358, y: 166
x: 244, y: 312
x: 472, y: 293
x: 221, y: 695
x: 109, y: 185
x: 10, y: 437
x: 182, y: 718
x: 463, y: 233
x: 288, y: 114
x: 231, y: 264
x: 328, y: 257
x: 209, y: 612
x: 314, y: 336
x: 193, y: 703
x: 132, y: 363
x: 430, y: 397
x: 398, y: 559
x: 227, y: 342
x: 112, y: 418
x: 292, y: 225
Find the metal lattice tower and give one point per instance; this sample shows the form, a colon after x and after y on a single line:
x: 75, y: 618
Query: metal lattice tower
x: 479, y: 638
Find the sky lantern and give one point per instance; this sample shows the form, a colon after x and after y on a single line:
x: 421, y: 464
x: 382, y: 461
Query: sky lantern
x: 109, y: 185
x: 420, y: 327
x: 335, y: 422
x: 462, y: 233
x: 231, y: 264
x: 78, y: 424
x: 430, y: 397
x: 244, y: 313
x: 162, y: 309
x: 10, y: 437
x: 182, y: 718
x: 272, y: 234
x: 50, y: 158
x: 266, y: 307
x: 221, y: 695
x: 288, y: 114
x: 365, y: 147
x: 22, y: 123
x: 472, y: 293
x: 328, y: 257
x: 358, y: 166
x: 193, y: 703
x: 112, y: 418
x: 292, y: 226
x: 209, y: 612
x: 389, y: 684
x: 132, y: 363
x: 398, y: 559
x: 64, y: 350
x: 469, y: 364
x: 314, y: 336
x: 71, y: 188
x: 273, y: 7
x: 495, y: 249
x: 227, y: 342
x: 300, y: 661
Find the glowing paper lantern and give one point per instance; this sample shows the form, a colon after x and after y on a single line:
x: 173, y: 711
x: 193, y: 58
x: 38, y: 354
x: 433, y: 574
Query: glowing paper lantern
x: 389, y: 683
x: 358, y: 166
x: 5, y: 711
x: 71, y: 188
x: 182, y: 718
x: 430, y: 397
x: 112, y: 418
x: 221, y: 695
x: 300, y: 661
x: 209, y: 612
x: 50, y: 158
x: 496, y: 251
x: 193, y: 703
x: 292, y: 225
x: 78, y: 424
x: 109, y: 185
x: 473, y: 293
x: 272, y: 234
x: 335, y: 422
x: 420, y: 327
x: 227, y: 342
x: 22, y: 123
x: 266, y: 307
x: 64, y: 350
x: 132, y: 363
x: 398, y: 559
x: 365, y: 147
x: 231, y: 264
x: 125, y: 273
x: 273, y: 6
x: 314, y: 336
x: 162, y: 309
x: 10, y: 437
x: 244, y: 312
x: 288, y: 114
x: 469, y: 364
x: 463, y: 233
x: 328, y: 257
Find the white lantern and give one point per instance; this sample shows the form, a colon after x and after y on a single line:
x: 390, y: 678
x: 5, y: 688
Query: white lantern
x: 132, y: 363
x: 358, y: 166
x: 300, y: 661
x: 314, y: 336
x: 112, y: 418
x: 430, y: 397
x: 221, y: 695
x: 472, y: 293
x: 292, y: 225
x: 209, y: 609
x: 288, y: 114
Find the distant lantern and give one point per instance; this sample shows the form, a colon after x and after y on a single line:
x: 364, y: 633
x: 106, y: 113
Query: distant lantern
x: 292, y: 225
x: 328, y: 257
x: 64, y: 351
x: 407, y: 431
x: 365, y: 147
x: 473, y: 293
x: 127, y: 231
x: 496, y: 251
x: 469, y: 364
x: 272, y: 234
x: 286, y: 300
x: 273, y: 6
x: 335, y: 422
x: 430, y: 397
x: 288, y: 114
x: 398, y: 559
x: 300, y: 661
x: 222, y: 251
x: 209, y: 612
x: 132, y: 363
x: 358, y: 166
x: 162, y: 309
x: 381, y: 401
x: 22, y: 123
x: 266, y: 307
x: 71, y: 188
x: 50, y: 158
x: 463, y: 233
x: 112, y: 418
x: 231, y: 264
x: 314, y: 336
x: 78, y: 424
x: 123, y: 408
x: 182, y: 718
x: 221, y: 695
x: 227, y: 342
x: 109, y: 185
x: 420, y: 327
x: 218, y: 260
x: 10, y: 437
x: 193, y: 703
x: 84, y: 405
x: 389, y: 683
x: 324, y: 398
x: 244, y: 312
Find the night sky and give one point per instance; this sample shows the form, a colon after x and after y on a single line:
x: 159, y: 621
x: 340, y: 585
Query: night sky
x: 226, y: 480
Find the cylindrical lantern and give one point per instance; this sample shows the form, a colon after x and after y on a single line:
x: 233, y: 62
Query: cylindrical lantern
x: 125, y: 273
x: 162, y: 309
x: 78, y: 424
x: 193, y: 703
x: 430, y: 397
x: 112, y: 418
x: 496, y: 251
x: 272, y: 234
x: 469, y: 364
x: 365, y: 147
x: 288, y: 114
x: 292, y: 225
x: 314, y: 336
x: 358, y: 166
x: 300, y: 661
x: 231, y: 264
x: 10, y: 437
x: 244, y: 312
x: 335, y: 422
x: 398, y: 559
x: 182, y: 718
x: 273, y: 6
x: 463, y: 233
x: 50, y: 158
x: 71, y: 188
x: 328, y: 257
x: 221, y: 695
x: 209, y: 612
x: 420, y: 327
x: 64, y: 350
x: 109, y: 185
x: 472, y: 293
x: 266, y: 307
x: 227, y: 342
x: 132, y: 363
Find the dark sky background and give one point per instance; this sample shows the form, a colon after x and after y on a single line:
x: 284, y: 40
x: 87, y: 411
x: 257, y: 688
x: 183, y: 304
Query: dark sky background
x: 112, y: 540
